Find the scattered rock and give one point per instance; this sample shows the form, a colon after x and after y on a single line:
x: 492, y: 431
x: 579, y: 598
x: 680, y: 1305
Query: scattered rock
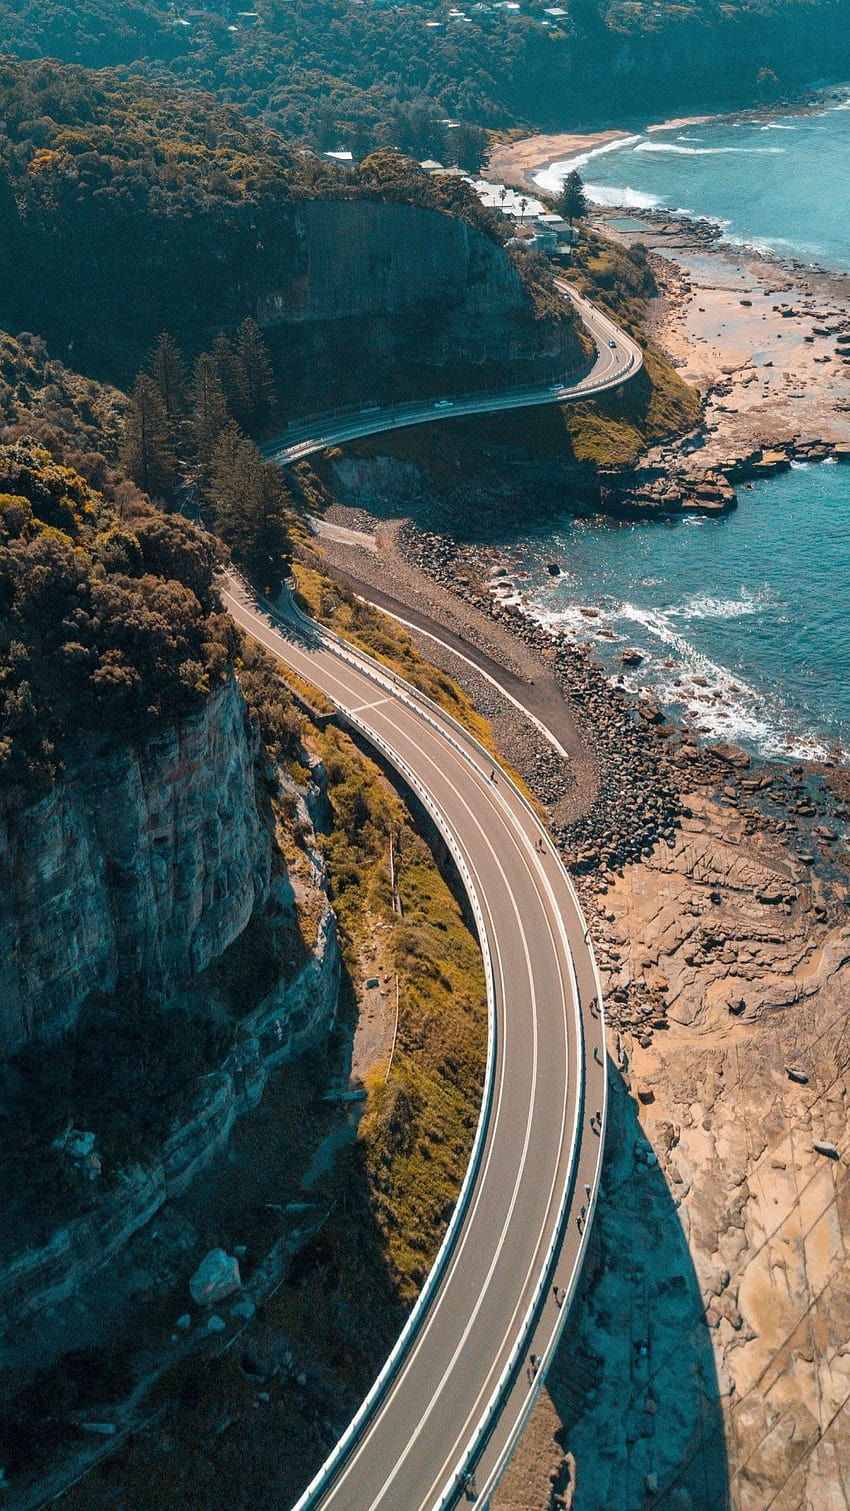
x: 731, y: 754
x: 243, y: 1308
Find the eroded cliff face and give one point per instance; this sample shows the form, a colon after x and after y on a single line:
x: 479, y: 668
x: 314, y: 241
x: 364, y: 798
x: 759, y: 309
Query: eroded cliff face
x: 293, y: 1016
x: 144, y: 864
x: 389, y: 294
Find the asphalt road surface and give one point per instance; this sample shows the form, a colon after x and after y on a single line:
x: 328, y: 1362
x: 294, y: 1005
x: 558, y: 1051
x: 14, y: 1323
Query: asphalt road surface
x: 456, y: 1391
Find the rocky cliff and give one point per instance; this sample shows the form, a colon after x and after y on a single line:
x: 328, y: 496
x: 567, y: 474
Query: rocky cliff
x: 144, y: 864
x: 290, y: 1018
x: 388, y: 295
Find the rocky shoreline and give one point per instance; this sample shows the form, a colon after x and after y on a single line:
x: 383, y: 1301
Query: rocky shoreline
x: 705, y: 1364
x: 716, y: 888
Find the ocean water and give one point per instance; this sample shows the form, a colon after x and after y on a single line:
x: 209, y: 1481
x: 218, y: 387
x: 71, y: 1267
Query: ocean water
x: 743, y: 622
x: 780, y: 185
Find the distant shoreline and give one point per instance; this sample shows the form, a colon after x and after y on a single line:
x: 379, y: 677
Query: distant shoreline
x: 516, y: 163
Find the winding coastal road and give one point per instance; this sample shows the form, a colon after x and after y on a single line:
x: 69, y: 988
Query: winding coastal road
x: 444, y: 1415
x: 618, y: 358
x: 458, y: 1387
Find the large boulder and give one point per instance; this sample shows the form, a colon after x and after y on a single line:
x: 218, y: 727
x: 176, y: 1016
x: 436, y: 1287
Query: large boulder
x: 216, y: 1277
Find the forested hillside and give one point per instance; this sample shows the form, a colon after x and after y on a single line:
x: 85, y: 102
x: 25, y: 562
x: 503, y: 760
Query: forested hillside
x: 341, y: 73
x: 110, y: 622
x: 113, y: 194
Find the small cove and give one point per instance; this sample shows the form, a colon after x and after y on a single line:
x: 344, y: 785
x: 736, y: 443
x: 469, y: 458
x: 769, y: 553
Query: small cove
x: 778, y: 184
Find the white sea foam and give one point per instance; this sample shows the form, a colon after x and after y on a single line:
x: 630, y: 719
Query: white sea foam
x: 720, y: 705
x: 628, y: 199
x: 552, y: 178
x: 704, y: 607
x: 673, y: 147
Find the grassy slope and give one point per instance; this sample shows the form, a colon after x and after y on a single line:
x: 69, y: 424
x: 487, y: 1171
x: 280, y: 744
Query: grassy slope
x: 615, y: 428
x: 332, y: 604
x: 417, y: 1129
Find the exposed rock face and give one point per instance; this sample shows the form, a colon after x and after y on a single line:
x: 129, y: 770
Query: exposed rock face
x: 720, y: 1242
x: 146, y: 864
x: 381, y: 286
x: 287, y: 1021
x: 364, y: 257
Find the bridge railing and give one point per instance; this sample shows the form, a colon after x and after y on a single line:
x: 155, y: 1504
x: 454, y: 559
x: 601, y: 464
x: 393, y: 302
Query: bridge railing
x: 376, y: 418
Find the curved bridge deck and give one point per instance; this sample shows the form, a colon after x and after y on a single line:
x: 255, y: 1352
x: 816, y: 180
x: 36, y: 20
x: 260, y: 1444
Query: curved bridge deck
x: 618, y: 359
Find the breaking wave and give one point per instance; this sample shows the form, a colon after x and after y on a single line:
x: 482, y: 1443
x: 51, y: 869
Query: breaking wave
x: 673, y: 147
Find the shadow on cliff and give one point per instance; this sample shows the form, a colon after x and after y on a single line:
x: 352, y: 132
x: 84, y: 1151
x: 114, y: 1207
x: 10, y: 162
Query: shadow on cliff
x: 634, y: 1379
x: 290, y: 1196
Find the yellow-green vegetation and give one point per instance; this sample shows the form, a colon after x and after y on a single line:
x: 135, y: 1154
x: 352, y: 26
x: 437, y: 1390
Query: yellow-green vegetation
x: 366, y: 627
x: 385, y: 886
x: 616, y: 427
x: 417, y: 1129
x: 111, y: 619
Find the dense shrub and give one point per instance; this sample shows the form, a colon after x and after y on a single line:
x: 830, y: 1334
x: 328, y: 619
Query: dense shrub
x: 108, y: 617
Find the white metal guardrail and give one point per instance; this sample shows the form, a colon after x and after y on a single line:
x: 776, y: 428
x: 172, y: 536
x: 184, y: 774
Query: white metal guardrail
x: 461, y: 741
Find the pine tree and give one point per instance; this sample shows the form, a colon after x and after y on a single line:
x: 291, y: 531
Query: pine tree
x: 168, y: 370
x: 572, y: 200
x: 259, y: 376
x: 147, y: 453
x: 232, y: 374
x: 209, y: 412
x: 250, y: 501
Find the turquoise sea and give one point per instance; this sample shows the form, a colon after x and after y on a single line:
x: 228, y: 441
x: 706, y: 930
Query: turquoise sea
x: 781, y: 185
x: 744, y: 621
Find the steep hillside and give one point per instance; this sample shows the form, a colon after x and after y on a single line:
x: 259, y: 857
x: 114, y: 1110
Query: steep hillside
x: 338, y: 73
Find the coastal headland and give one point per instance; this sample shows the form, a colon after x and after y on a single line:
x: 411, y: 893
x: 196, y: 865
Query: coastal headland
x: 765, y: 340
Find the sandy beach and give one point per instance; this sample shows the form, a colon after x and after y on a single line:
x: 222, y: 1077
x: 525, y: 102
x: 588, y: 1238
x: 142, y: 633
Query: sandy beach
x: 758, y: 336
x: 516, y: 163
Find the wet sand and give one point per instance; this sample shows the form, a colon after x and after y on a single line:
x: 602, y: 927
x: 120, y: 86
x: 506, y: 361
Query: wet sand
x: 516, y: 163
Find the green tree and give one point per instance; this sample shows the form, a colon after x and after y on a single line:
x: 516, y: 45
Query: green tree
x: 572, y: 201
x: 467, y: 146
x: 250, y: 504
x: 147, y: 453
x: 259, y: 376
x: 209, y: 411
x: 232, y: 374
x: 168, y: 370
